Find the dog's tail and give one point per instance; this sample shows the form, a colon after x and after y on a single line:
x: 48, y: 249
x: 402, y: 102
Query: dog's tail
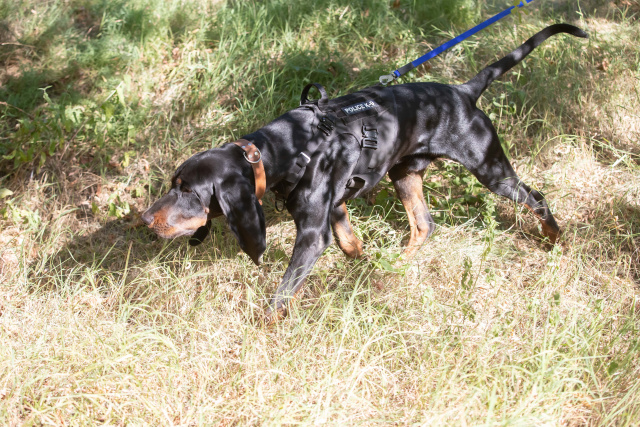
x: 483, y: 79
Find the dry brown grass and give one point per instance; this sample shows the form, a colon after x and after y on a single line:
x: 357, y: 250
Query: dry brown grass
x: 101, y: 323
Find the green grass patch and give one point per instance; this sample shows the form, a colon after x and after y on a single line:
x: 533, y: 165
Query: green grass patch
x: 102, y: 323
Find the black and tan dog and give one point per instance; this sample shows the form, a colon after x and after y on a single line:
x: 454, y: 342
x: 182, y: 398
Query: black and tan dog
x: 325, y: 152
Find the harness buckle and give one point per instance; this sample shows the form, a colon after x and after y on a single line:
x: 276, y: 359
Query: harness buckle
x: 326, y: 125
x: 370, y: 138
x: 370, y: 143
x: 303, y: 160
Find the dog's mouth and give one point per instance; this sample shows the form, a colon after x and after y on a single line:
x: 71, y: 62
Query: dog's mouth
x: 171, y: 233
x: 181, y: 228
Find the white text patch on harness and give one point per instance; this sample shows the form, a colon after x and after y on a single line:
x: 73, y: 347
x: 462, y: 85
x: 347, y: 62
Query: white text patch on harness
x: 358, y: 108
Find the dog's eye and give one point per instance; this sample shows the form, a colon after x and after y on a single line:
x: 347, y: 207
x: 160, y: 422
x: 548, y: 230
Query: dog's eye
x: 186, y: 190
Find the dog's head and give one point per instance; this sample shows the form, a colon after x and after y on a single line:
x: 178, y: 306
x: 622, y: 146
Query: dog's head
x: 209, y: 184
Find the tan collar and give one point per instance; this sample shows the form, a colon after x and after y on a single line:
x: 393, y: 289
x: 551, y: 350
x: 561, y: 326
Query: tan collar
x: 254, y: 156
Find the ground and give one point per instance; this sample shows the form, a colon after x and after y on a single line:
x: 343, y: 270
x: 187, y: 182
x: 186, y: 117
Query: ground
x: 103, y: 323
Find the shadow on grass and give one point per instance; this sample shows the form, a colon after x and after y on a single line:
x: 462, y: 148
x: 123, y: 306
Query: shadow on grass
x: 131, y: 265
x: 117, y: 252
x: 612, y: 232
x: 26, y: 74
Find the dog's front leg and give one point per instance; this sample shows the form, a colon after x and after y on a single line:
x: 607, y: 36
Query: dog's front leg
x: 343, y: 232
x: 313, y: 237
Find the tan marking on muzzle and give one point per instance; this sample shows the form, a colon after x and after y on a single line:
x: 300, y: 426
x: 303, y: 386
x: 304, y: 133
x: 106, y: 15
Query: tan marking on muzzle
x: 160, y: 226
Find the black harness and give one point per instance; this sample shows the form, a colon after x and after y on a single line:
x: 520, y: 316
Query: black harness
x: 368, y: 115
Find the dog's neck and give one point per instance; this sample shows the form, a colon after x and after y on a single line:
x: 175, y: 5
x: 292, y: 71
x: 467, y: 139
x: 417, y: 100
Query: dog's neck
x: 268, y: 159
x: 275, y: 141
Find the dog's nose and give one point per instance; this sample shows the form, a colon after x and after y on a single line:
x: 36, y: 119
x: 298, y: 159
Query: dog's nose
x: 147, y: 218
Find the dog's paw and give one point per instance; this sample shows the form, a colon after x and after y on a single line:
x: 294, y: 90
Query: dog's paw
x: 551, y: 234
x: 273, y: 316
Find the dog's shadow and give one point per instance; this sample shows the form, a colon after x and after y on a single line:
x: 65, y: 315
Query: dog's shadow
x: 120, y: 250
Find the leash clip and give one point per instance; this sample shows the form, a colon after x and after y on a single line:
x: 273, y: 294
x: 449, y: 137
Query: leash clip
x: 386, y: 79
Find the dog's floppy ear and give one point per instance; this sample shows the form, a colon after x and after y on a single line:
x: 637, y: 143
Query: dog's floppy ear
x: 244, y: 215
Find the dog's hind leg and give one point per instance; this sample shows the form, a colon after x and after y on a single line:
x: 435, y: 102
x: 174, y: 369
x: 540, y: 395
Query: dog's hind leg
x: 493, y: 170
x: 343, y: 233
x: 408, y: 185
x: 513, y: 188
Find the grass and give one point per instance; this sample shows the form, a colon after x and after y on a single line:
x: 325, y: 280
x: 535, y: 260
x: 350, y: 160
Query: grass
x: 102, y: 323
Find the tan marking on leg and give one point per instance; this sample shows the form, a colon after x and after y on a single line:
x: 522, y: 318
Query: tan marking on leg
x: 409, y: 191
x: 552, y: 233
x: 346, y: 239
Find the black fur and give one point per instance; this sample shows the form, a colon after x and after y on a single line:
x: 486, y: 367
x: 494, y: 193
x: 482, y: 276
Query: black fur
x: 429, y: 121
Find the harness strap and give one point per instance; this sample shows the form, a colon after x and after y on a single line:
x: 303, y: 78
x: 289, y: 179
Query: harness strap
x: 254, y: 157
x: 321, y: 132
x: 322, y: 102
x: 295, y: 173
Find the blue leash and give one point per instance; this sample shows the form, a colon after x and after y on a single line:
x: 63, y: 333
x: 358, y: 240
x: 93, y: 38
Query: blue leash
x: 388, y: 78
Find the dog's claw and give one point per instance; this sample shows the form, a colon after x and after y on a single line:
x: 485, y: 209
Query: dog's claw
x: 272, y: 317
